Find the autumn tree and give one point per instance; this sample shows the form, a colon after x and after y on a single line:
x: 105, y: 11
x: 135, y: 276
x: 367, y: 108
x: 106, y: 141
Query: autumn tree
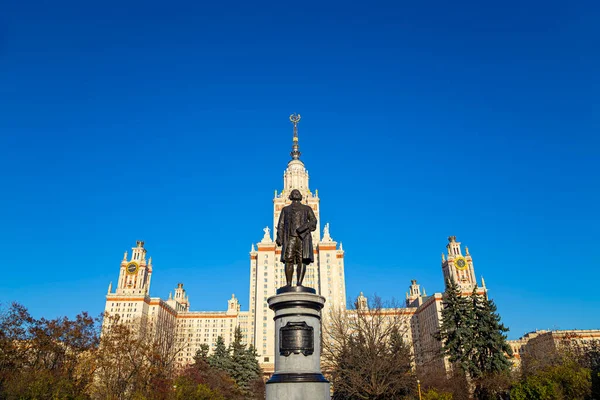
x: 565, y: 380
x: 14, y: 334
x: 46, y: 358
x: 135, y: 360
x: 201, y: 377
x: 568, y: 371
x: 587, y: 354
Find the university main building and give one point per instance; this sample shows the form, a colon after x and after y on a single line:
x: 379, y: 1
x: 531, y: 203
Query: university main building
x: 132, y: 302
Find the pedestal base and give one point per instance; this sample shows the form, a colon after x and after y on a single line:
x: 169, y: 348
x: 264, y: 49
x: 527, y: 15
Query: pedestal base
x: 298, y: 391
x: 298, y: 346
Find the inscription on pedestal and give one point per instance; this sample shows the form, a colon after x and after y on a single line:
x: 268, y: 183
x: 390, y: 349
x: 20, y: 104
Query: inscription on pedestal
x: 296, y: 337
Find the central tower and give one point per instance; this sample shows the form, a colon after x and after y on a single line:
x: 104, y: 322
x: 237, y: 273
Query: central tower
x: 325, y: 275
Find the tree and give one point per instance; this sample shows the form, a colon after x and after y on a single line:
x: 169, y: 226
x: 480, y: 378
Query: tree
x: 202, y: 354
x: 565, y: 381
x: 45, y: 358
x: 587, y: 354
x: 120, y: 362
x: 220, y: 358
x: 217, y: 380
x: 456, y: 330
x: 474, y: 340
x: 187, y: 388
x: 489, y: 366
x: 244, y: 367
x: 14, y: 335
x: 135, y: 360
x: 490, y: 350
x: 365, y: 354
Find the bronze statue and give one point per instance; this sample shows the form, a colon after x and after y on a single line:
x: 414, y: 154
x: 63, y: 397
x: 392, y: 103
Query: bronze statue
x: 296, y: 222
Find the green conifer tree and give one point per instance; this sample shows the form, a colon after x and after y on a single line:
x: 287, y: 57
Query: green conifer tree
x: 456, y: 331
x: 252, y: 365
x: 491, y: 351
x: 244, y: 367
x: 202, y: 354
x: 220, y: 358
x: 238, y: 353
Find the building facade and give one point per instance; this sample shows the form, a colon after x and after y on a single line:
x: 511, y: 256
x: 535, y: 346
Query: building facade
x: 131, y: 304
x: 131, y: 300
x: 544, y: 344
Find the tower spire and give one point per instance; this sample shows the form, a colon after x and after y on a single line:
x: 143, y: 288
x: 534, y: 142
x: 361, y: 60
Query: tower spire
x: 295, y: 118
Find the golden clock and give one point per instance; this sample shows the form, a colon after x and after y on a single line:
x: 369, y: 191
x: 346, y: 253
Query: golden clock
x: 461, y: 263
x: 132, y: 268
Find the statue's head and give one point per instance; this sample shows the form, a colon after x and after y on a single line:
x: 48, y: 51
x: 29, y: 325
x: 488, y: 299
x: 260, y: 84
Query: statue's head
x: 295, y: 195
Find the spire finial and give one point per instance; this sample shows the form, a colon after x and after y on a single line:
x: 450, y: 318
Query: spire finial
x: 295, y: 118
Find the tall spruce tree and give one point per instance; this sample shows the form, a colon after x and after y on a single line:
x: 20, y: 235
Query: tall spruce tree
x: 244, y: 365
x: 252, y: 362
x: 456, y: 331
x: 474, y: 339
x: 220, y: 358
x: 489, y: 341
x: 202, y: 353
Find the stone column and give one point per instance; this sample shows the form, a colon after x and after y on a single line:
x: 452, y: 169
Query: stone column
x: 297, y: 346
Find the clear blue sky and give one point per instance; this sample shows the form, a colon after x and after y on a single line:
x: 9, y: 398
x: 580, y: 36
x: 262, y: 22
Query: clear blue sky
x: 124, y: 121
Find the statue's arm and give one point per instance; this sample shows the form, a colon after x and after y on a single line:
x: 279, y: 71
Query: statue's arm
x: 310, y: 224
x: 280, y: 227
x: 312, y: 220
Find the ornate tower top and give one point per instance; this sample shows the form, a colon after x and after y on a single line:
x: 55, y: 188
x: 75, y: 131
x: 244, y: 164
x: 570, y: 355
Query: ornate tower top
x: 295, y: 118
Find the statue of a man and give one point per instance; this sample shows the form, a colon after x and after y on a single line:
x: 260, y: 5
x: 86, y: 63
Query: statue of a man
x: 296, y: 222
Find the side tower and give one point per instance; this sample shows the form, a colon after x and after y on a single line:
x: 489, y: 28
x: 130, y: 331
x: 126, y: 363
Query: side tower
x: 136, y: 273
x: 129, y: 302
x: 459, y: 268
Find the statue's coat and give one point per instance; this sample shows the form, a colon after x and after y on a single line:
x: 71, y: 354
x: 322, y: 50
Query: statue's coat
x: 301, y: 218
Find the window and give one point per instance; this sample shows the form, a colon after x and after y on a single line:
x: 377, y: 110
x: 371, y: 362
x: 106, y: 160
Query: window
x: 266, y: 359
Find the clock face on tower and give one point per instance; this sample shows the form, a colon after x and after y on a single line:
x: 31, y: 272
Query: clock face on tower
x: 132, y: 268
x: 460, y: 263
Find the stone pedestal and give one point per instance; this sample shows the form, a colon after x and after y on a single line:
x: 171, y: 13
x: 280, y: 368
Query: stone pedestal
x: 297, y: 346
